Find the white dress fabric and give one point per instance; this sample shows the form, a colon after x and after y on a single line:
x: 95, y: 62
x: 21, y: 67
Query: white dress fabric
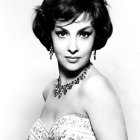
x: 68, y: 127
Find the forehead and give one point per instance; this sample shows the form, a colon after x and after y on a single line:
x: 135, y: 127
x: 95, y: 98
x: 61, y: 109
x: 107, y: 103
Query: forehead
x: 81, y: 21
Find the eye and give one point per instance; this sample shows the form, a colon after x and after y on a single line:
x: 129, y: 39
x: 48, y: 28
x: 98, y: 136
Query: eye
x: 85, y: 34
x: 61, y: 34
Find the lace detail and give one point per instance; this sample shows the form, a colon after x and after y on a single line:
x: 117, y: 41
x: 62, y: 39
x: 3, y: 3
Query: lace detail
x: 68, y: 127
x: 38, y: 132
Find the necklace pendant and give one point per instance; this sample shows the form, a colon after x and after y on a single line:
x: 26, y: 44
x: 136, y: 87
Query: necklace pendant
x: 60, y: 94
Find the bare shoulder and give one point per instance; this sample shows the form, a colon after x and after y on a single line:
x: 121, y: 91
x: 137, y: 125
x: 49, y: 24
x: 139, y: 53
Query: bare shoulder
x: 47, y: 89
x: 103, y: 108
x: 99, y: 85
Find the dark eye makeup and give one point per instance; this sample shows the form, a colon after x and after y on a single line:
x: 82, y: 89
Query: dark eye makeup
x: 85, y: 34
x: 61, y: 33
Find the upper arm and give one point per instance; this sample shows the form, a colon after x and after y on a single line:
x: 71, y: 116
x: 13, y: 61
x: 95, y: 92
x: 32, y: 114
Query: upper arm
x: 103, y: 108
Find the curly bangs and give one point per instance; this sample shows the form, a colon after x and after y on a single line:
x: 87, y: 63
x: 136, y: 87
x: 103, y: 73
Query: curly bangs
x: 51, y: 11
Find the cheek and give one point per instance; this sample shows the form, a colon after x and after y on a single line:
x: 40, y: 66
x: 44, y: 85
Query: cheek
x: 57, y: 43
x: 86, y: 46
x: 59, y: 46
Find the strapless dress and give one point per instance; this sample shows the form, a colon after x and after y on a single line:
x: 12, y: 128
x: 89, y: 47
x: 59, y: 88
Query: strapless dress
x: 68, y: 127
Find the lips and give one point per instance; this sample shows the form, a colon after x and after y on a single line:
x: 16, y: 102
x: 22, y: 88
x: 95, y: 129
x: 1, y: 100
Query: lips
x: 72, y: 59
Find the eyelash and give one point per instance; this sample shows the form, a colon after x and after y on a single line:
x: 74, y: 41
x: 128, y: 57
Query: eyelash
x: 85, y: 34
x: 63, y: 34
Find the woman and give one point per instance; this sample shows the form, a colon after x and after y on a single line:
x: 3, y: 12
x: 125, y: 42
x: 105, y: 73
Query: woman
x: 80, y: 104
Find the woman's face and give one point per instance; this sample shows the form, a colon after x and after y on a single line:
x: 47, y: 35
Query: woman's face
x: 73, y: 43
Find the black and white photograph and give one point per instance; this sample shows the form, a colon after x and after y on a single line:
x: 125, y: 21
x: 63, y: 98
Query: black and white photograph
x: 70, y: 70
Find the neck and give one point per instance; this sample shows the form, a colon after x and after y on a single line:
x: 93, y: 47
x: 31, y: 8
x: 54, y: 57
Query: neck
x: 67, y: 76
x: 61, y: 89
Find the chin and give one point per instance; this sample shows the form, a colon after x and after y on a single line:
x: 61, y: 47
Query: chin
x: 74, y: 66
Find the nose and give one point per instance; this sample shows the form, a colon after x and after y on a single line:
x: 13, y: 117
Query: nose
x: 73, y: 46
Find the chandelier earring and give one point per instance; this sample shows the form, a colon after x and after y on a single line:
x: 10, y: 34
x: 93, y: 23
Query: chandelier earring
x: 94, y: 54
x: 51, y: 52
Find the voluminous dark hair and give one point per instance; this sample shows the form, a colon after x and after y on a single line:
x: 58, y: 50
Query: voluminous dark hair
x: 51, y: 11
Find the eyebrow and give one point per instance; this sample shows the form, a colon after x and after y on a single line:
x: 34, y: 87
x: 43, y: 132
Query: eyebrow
x: 87, y: 27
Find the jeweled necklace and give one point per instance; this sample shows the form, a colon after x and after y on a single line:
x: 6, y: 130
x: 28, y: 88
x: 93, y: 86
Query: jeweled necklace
x: 59, y: 89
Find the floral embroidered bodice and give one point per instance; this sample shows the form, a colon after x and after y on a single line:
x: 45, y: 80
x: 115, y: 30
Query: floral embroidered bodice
x: 68, y: 127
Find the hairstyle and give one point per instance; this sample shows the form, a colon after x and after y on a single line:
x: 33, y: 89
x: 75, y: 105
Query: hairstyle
x: 51, y: 11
